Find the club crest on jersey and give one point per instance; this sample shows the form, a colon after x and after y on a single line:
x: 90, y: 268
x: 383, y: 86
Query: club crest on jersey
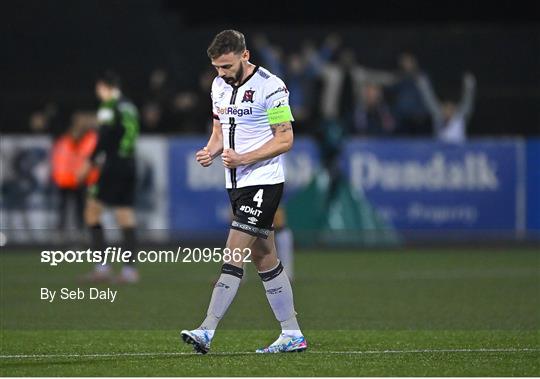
x: 248, y: 96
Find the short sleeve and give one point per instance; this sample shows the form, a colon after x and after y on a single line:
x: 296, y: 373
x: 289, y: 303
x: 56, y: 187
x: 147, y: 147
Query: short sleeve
x: 275, y: 93
x: 276, y: 101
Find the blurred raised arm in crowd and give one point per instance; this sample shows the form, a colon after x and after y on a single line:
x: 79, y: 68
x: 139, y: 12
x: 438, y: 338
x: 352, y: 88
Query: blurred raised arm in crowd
x: 449, y: 117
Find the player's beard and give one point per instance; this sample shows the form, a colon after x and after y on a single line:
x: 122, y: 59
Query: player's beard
x: 235, y: 79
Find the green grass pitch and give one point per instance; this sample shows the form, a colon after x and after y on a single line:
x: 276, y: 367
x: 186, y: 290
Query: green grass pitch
x: 368, y: 313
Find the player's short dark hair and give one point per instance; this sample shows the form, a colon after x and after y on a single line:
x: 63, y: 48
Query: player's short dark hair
x: 227, y: 41
x: 110, y: 78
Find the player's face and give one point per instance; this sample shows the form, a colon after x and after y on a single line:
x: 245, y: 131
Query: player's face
x: 230, y: 66
x: 103, y: 92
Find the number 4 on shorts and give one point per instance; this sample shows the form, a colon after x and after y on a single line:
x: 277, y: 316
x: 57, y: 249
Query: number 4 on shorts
x: 259, y: 197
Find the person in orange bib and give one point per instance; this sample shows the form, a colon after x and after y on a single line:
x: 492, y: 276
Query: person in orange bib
x: 69, y: 153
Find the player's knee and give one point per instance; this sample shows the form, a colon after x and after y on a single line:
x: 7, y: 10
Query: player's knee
x: 265, y: 263
x: 125, y: 217
x: 257, y: 258
x: 92, y: 214
x: 263, y: 259
x: 261, y: 250
x: 91, y: 219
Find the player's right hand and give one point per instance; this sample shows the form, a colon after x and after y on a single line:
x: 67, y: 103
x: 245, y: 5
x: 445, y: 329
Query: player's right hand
x: 204, y: 157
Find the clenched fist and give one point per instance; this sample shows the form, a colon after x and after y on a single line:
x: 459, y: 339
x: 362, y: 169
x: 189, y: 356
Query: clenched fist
x: 231, y: 159
x: 204, y: 157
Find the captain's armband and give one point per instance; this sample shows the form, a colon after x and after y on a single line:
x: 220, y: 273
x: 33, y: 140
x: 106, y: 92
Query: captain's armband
x: 279, y: 114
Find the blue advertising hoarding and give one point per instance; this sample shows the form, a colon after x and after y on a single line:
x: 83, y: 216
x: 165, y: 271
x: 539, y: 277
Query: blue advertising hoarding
x: 533, y: 185
x: 427, y: 185
x: 482, y: 185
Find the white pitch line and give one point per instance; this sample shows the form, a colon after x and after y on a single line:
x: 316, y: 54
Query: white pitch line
x: 164, y: 354
x: 418, y: 351
x: 111, y: 355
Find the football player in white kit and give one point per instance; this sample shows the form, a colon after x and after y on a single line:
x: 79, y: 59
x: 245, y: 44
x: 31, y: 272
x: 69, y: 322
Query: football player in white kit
x: 251, y: 129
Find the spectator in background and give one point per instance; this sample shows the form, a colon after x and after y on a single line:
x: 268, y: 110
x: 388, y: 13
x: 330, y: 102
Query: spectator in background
x: 152, y: 117
x: 154, y: 110
x: 38, y: 122
x: 449, y: 119
x: 332, y: 78
x: 346, y: 86
x: 296, y: 78
x: 411, y: 114
x: 189, y: 112
x: 301, y: 71
x: 183, y: 115
x: 303, y: 75
x: 45, y: 120
x: 271, y: 56
x: 332, y: 113
x: 158, y: 85
x: 69, y: 154
x: 373, y: 117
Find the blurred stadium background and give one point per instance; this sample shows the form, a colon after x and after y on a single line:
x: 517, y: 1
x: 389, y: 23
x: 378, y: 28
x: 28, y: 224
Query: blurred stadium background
x: 376, y: 171
x: 362, y: 109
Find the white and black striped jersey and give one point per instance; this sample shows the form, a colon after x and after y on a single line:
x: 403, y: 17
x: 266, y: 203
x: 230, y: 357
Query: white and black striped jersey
x: 242, y: 112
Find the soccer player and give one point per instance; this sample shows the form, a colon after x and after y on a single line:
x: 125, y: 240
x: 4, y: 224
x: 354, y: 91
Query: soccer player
x: 251, y: 129
x: 115, y: 156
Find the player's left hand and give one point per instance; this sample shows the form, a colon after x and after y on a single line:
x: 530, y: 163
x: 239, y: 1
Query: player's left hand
x: 231, y: 159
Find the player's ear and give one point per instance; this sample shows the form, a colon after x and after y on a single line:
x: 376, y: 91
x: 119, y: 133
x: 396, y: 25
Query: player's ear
x: 245, y: 55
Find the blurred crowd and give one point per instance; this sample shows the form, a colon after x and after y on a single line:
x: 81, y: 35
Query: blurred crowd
x: 332, y: 96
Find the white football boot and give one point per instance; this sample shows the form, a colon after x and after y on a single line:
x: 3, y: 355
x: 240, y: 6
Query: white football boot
x: 199, y: 338
x: 285, y: 344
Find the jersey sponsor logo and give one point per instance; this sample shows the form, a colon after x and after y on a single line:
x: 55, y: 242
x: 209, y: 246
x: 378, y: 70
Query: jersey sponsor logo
x: 249, y: 210
x: 234, y: 111
x: 248, y: 96
x: 280, y: 89
x: 279, y: 102
x: 252, y: 220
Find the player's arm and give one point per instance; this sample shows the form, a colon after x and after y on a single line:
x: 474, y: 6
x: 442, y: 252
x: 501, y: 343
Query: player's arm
x: 281, y: 142
x: 130, y: 124
x: 96, y: 158
x: 104, y: 142
x: 213, y: 148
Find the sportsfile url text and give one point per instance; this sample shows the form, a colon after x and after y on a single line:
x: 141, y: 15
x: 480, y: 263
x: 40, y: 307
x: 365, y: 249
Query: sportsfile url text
x: 118, y: 255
